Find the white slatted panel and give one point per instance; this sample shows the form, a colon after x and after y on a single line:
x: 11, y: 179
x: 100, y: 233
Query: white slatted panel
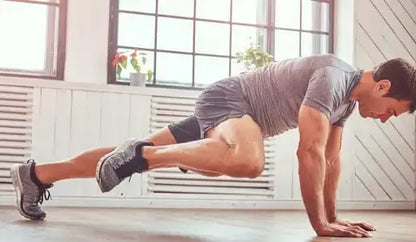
x: 384, y: 154
x: 68, y: 122
x: 384, y: 161
x: 15, y: 130
x: 171, y: 182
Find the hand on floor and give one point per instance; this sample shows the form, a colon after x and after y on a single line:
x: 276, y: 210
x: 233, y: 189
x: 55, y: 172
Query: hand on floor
x: 336, y: 229
x: 363, y: 225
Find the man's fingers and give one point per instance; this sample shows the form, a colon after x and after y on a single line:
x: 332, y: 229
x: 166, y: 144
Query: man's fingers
x: 360, y: 231
x: 360, y: 228
x: 357, y: 231
x: 365, y: 226
x: 351, y: 234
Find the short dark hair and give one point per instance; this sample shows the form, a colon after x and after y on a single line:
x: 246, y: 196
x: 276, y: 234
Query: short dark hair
x: 402, y: 76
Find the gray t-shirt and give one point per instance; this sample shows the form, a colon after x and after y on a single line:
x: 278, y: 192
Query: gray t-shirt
x: 277, y: 91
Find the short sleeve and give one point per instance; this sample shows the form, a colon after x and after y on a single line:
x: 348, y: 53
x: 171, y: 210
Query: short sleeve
x: 321, y: 93
x: 343, y: 119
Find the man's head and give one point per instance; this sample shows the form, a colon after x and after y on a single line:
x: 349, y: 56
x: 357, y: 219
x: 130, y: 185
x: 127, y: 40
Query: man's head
x: 388, y: 90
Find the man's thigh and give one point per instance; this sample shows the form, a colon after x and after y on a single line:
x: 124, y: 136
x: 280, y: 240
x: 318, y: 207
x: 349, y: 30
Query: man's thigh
x: 242, y: 134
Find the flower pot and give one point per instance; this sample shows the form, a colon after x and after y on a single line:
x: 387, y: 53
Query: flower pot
x: 138, y: 79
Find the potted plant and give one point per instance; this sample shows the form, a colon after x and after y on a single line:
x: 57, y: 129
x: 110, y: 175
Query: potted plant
x: 137, y: 62
x: 253, y: 57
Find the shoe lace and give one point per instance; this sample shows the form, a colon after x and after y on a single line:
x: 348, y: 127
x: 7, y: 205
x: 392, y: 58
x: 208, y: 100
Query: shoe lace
x: 45, y: 194
x: 129, y: 166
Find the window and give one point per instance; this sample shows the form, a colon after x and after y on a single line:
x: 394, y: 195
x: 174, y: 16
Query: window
x: 32, y: 42
x: 192, y: 43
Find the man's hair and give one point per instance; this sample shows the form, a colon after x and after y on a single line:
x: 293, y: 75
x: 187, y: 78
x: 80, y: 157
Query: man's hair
x: 402, y: 76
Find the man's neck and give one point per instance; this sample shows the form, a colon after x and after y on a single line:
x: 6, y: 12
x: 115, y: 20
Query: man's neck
x: 365, y: 81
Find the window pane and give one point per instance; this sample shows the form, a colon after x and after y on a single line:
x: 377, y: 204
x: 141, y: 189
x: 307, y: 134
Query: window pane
x: 315, y: 15
x: 125, y: 74
x: 212, y: 38
x: 243, y: 36
x: 286, y: 44
x: 213, y: 9
x: 184, y: 8
x: 175, y: 34
x: 136, y: 30
x: 314, y: 44
x: 236, y: 68
x: 147, y: 6
x: 174, y: 69
x: 23, y: 42
x: 250, y: 11
x: 288, y: 14
x: 210, y: 69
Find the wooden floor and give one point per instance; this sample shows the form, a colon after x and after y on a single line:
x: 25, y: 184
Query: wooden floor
x: 154, y: 225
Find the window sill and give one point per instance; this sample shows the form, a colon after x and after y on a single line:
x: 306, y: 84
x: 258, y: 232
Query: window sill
x: 114, y: 88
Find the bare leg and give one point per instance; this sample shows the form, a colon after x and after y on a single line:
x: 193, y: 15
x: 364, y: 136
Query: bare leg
x: 84, y: 164
x: 234, y: 148
x: 199, y: 156
x: 80, y: 166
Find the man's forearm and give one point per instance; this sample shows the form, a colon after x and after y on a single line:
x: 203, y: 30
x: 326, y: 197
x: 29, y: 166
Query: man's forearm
x: 311, y: 176
x: 333, y: 171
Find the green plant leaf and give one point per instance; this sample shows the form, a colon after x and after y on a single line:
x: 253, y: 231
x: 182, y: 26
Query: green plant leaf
x: 253, y: 57
x: 123, y: 64
x: 144, y: 60
x: 119, y: 71
x: 149, y: 75
x: 135, y: 64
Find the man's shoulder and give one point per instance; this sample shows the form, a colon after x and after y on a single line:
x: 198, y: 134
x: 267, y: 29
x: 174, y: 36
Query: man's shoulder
x: 331, y: 61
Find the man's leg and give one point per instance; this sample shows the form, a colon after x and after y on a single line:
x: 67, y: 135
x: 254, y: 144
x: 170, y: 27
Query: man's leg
x: 32, y: 181
x: 84, y: 165
x: 234, y: 148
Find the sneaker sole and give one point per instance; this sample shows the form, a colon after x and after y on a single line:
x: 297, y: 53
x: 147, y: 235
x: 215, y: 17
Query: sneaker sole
x: 18, y: 187
x: 105, y: 158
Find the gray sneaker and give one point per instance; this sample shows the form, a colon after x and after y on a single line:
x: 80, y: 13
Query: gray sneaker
x: 122, y: 162
x: 28, y: 194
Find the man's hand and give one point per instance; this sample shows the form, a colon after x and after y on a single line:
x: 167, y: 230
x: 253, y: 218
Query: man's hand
x: 362, y: 225
x: 336, y: 229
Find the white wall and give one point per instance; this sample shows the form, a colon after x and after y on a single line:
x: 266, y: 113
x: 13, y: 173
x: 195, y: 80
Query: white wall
x: 384, y: 154
x: 344, y: 30
x: 87, y: 41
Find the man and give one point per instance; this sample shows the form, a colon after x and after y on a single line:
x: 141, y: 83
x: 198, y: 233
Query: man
x: 231, y: 119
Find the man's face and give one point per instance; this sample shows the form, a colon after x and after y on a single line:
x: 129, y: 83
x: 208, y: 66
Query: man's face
x: 376, y: 105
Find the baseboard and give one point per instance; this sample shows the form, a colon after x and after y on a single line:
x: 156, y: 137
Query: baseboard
x: 208, y: 204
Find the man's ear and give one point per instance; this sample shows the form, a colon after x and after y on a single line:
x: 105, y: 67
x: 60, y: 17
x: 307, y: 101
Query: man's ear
x: 382, y: 87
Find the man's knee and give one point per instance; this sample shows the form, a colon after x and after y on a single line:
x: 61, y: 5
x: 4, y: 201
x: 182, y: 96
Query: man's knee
x: 255, y: 167
x: 250, y: 166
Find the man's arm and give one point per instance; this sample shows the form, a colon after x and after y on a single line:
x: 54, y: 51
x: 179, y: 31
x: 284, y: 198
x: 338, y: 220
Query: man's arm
x: 332, y: 174
x: 314, y: 130
x: 333, y: 171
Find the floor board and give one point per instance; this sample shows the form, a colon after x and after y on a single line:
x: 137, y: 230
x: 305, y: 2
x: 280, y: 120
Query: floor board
x: 183, y: 225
